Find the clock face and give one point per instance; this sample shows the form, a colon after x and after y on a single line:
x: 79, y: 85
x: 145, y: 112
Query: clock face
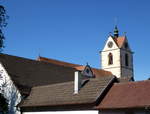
x: 110, y: 44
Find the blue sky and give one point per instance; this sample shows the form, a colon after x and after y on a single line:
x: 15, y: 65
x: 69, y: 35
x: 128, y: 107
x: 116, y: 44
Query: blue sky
x: 76, y: 30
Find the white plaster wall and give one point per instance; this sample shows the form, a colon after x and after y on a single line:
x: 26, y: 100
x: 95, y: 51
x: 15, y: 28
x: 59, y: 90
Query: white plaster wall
x: 64, y: 112
x: 111, y: 113
x: 115, y: 68
x: 8, y: 89
x: 118, y: 67
x: 113, y: 47
x: 116, y: 58
x: 115, y: 71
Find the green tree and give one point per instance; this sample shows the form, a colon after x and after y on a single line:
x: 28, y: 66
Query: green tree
x: 3, y: 23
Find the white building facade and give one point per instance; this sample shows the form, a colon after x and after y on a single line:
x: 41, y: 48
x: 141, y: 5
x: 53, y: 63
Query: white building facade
x: 9, y: 91
x: 117, y: 56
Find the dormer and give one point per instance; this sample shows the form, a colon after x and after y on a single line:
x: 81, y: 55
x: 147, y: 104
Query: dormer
x: 87, y: 72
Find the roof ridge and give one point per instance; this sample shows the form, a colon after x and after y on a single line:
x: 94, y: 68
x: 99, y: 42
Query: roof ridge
x: 78, y: 65
x: 132, y: 82
x: 40, y: 57
x: 29, y: 59
x: 17, y: 56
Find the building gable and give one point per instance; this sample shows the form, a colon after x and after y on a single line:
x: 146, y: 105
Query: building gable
x: 110, y: 44
x: 88, y: 72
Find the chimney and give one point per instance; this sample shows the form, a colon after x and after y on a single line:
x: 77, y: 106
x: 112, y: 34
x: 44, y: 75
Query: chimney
x: 77, y: 81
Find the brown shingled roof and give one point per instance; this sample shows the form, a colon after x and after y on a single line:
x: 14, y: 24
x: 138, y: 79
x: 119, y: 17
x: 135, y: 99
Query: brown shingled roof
x: 27, y: 73
x: 62, y: 63
x: 63, y: 93
x: 96, y: 72
x: 127, y: 95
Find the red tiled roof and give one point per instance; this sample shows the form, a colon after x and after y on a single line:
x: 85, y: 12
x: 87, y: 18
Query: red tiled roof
x: 62, y: 63
x: 120, y: 41
x: 96, y: 72
x: 100, y: 72
x: 127, y: 95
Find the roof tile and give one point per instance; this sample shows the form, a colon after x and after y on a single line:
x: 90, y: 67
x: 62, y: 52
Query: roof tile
x: 120, y: 41
x: 127, y: 95
x: 62, y: 94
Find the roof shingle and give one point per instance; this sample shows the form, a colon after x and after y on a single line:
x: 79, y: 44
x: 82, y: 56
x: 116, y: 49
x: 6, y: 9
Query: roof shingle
x: 26, y: 73
x: 127, y: 95
x: 63, y: 94
x: 96, y: 72
x: 120, y: 41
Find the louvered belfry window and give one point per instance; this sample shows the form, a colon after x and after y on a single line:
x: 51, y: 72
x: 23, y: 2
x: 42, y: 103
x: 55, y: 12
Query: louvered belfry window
x: 126, y: 60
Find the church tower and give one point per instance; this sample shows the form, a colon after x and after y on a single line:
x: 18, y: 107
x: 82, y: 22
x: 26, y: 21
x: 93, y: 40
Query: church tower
x: 117, y: 56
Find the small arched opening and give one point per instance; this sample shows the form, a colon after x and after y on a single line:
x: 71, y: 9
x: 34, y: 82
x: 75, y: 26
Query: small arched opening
x: 126, y: 60
x: 110, y: 59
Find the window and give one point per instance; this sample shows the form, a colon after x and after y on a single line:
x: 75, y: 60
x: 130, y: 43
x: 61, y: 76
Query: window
x: 126, y: 45
x: 110, y: 59
x: 87, y: 71
x: 126, y: 60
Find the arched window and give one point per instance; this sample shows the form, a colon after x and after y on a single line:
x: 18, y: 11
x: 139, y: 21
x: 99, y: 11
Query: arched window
x: 110, y: 59
x: 126, y: 60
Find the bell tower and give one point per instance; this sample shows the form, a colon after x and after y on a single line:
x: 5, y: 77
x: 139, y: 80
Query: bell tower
x: 117, y: 56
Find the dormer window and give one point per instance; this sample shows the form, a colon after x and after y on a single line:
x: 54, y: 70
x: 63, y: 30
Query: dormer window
x: 87, y: 71
x: 110, y: 59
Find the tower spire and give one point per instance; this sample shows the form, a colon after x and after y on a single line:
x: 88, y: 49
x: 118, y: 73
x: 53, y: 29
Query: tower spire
x: 116, y: 32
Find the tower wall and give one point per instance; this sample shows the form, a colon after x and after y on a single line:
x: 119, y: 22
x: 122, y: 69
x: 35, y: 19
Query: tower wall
x: 115, y: 68
x: 126, y: 70
x: 122, y: 65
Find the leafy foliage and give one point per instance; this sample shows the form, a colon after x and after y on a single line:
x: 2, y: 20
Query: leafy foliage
x: 3, y: 18
x: 3, y: 104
